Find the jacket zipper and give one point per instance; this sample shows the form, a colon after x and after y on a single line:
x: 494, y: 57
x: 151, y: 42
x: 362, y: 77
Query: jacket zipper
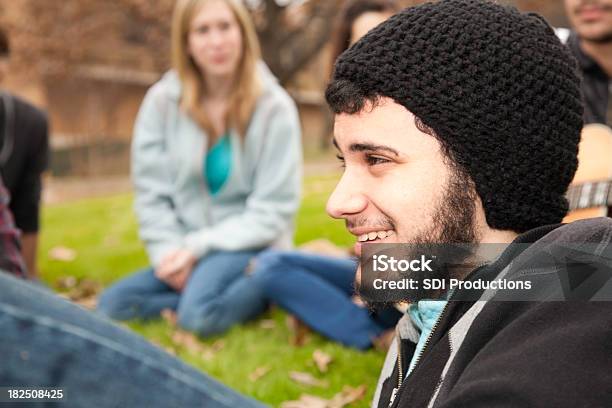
x: 418, y: 358
x: 400, y: 370
x: 433, y: 329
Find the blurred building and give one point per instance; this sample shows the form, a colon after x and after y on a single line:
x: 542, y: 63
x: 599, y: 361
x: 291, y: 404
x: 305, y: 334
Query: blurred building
x: 89, y: 63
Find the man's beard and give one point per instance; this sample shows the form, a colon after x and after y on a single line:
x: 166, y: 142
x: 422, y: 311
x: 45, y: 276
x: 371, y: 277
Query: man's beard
x: 453, y: 222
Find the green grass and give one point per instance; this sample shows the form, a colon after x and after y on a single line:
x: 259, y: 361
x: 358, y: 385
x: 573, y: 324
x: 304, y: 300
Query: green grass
x: 103, y: 233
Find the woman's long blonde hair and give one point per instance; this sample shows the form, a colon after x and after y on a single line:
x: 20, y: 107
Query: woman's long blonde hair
x: 247, y: 86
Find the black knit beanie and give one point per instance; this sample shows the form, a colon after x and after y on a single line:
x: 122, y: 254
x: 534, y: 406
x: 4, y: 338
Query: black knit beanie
x: 496, y: 86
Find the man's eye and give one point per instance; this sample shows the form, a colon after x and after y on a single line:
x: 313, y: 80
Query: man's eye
x: 374, y: 160
x: 341, y: 158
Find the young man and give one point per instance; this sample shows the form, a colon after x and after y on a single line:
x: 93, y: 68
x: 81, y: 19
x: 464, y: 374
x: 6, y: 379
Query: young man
x: 591, y: 43
x: 459, y: 122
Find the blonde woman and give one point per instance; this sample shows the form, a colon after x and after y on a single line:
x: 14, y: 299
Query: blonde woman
x: 216, y: 164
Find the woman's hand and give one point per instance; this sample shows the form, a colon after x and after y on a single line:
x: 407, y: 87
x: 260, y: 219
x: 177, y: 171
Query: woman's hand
x: 175, y: 268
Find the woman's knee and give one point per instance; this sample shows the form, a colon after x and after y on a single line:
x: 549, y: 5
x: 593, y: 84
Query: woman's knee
x: 216, y: 316
x: 268, y: 265
x: 202, y: 322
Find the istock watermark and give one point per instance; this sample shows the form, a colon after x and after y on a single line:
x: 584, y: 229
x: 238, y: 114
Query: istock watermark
x: 501, y: 272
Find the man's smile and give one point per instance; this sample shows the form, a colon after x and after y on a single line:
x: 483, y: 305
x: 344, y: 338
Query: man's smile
x: 370, y: 235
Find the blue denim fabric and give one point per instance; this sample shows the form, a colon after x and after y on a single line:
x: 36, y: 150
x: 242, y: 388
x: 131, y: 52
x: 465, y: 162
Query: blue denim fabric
x: 317, y: 290
x: 217, y: 295
x: 47, y: 341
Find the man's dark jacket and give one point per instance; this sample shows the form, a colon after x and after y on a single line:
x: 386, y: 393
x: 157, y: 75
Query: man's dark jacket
x: 516, y: 354
x: 24, y: 156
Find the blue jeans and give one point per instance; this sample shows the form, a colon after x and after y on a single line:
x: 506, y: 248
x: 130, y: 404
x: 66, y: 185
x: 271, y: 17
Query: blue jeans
x: 217, y: 295
x: 317, y: 290
x: 47, y: 341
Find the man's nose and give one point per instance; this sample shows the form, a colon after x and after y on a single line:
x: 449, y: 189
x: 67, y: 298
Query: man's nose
x: 347, y: 198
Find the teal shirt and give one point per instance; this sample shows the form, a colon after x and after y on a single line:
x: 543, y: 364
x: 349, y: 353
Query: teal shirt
x: 424, y: 315
x: 218, y: 164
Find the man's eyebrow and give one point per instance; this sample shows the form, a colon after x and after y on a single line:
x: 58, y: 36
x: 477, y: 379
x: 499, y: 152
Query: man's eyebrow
x: 370, y: 147
x: 366, y: 147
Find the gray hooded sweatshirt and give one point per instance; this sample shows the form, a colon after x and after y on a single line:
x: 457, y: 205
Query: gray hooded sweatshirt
x: 255, y: 207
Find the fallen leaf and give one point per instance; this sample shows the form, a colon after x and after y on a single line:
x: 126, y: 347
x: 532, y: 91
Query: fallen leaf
x: 66, y: 282
x: 267, y: 324
x: 217, y: 345
x: 84, y: 289
x: 193, y: 345
x: 300, y: 333
x: 89, y: 303
x: 64, y: 254
x: 83, y: 293
x: 258, y: 373
x: 211, y: 351
x: 307, y: 379
x: 306, y: 401
x: 347, y: 396
x: 322, y: 360
x: 169, y: 316
x: 189, y: 341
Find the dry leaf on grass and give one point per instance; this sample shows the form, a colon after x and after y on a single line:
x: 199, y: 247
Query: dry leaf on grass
x: 300, y: 333
x: 85, y: 288
x: 258, y: 373
x: 306, y: 401
x: 189, y: 341
x: 307, y: 379
x: 83, y: 292
x: 212, y: 350
x: 89, y: 303
x: 64, y: 254
x: 322, y: 360
x: 66, y: 282
x: 217, y: 345
x: 193, y: 345
x: 169, y: 316
x: 267, y: 324
x: 347, y: 396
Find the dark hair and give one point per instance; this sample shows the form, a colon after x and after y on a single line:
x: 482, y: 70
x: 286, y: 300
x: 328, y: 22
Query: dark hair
x: 4, y: 43
x: 344, y: 96
x: 350, y: 12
